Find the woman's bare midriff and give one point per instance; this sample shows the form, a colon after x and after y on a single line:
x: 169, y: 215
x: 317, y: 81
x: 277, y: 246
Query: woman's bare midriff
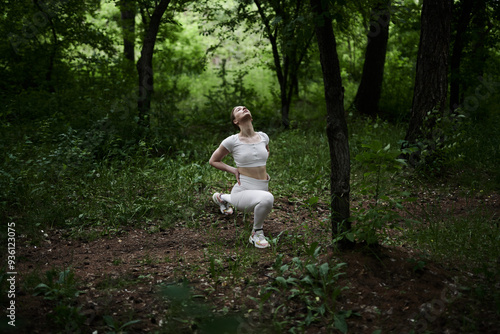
x: 258, y: 173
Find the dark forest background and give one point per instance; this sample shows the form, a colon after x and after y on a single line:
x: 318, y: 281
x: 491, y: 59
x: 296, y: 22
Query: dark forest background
x: 109, y: 110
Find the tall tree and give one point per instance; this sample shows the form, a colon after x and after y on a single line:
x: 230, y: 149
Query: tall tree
x: 128, y: 11
x: 483, y: 39
x: 41, y: 39
x: 336, y: 126
x: 290, y: 37
x: 145, y: 63
x: 370, y: 87
x: 464, y: 11
x: 283, y: 23
x: 431, y: 83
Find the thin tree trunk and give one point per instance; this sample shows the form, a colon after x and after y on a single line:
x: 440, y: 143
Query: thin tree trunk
x: 456, y: 55
x: 482, y: 23
x: 53, y: 51
x: 145, y: 64
x: 431, y: 83
x: 128, y: 12
x: 370, y: 88
x: 336, y: 127
x: 281, y: 71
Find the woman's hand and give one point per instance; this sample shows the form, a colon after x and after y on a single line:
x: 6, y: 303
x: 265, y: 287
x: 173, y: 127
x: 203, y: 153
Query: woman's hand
x: 237, y: 174
x: 216, y: 161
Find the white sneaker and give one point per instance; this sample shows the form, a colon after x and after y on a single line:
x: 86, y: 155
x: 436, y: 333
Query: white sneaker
x: 224, y: 206
x: 258, y: 239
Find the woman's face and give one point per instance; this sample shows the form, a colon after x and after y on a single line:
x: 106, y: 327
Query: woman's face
x: 240, y: 113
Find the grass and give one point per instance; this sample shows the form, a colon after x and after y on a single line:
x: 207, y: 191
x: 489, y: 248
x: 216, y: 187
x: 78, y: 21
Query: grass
x: 96, y: 198
x: 470, y: 241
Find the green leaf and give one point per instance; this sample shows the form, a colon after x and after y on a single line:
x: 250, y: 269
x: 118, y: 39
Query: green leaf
x: 308, y: 280
x: 313, y: 200
x: 340, y: 323
x: 130, y: 323
x: 323, y: 269
x: 109, y: 321
x: 312, y: 269
x: 350, y: 236
x: 281, y: 280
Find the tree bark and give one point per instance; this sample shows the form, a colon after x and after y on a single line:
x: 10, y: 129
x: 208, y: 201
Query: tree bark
x: 370, y: 88
x: 481, y: 25
x: 431, y: 83
x: 456, y: 56
x: 54, y: 50
x: 145, y: 64
x: 128, y: 12
x: 336, y: 126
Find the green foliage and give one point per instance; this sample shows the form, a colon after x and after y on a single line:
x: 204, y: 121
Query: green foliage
x: 116, y: 326
x: 439, y: 148
x: 66, y: 318
x: 41, y: 43
x: 61, y: 288
x: 312, y: 283
x: 185, y: 312
x: 468, y: 241
x: 72, y: 158
x: 299, y: 163
x: 471, y: 240
x: 380, y: 203
x: 229, y: 92
x: 400, y: 64
x: 480, y: 153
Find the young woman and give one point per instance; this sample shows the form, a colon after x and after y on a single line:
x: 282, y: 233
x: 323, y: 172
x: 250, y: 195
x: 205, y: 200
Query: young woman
x: 250, y: 151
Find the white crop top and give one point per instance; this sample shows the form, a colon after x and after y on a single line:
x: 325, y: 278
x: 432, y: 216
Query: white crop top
x: 247, y: 155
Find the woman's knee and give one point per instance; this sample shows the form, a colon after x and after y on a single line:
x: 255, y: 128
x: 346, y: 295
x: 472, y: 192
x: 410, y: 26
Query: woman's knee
x: 267, y: 200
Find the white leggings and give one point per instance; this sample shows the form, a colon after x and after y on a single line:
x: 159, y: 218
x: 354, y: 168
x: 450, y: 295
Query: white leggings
x: 252, y: 194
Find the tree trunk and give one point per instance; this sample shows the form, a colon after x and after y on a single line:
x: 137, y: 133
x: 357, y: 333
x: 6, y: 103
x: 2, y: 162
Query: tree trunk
x: 456, y: 56
x: 287, y: 63
x: 482, y: 25
x: 128, y: 12
x: 54, y: 50
x: 145, y: 64
x: 281, y: 71
x: 431, y: 84
x: 370, y: 87
x: 336, y: 127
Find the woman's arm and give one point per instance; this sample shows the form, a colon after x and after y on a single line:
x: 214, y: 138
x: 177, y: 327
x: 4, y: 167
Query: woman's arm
x: 216, y: 161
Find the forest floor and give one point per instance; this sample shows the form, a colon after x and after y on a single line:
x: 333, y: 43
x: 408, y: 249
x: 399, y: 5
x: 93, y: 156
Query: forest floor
x: 119, y: 275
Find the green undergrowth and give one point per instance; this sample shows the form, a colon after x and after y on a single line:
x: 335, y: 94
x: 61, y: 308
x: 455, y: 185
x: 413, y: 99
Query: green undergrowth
x: 91, y: 185
x: 92, y: 181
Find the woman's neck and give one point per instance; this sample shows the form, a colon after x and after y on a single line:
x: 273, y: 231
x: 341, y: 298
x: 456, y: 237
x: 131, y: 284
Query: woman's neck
x: 246, y: 130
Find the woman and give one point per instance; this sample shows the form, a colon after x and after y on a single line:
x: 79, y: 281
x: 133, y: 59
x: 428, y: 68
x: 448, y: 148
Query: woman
x: 250, y: 151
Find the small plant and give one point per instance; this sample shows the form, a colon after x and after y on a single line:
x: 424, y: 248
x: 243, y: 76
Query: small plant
x: 215, y: 267
x: 381, y: 200
x: 116, y: 326
x: 186, y: 313
x: 439, y: 145
x: 67, y: 318
x: 60, y: 286
x: 312, y: 283
x: 418, y: 264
